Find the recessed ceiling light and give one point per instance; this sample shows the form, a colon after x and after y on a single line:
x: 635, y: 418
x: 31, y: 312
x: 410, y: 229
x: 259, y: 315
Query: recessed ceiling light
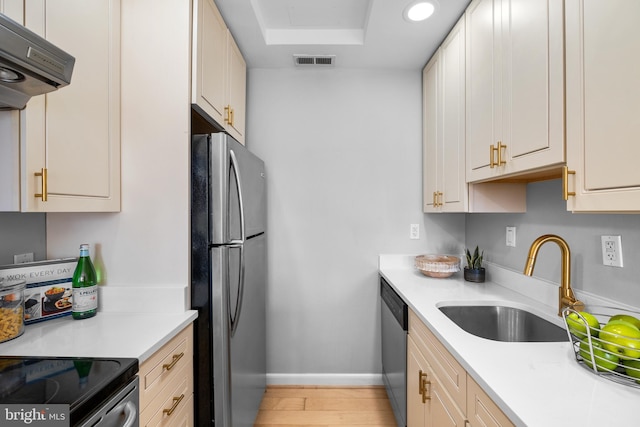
x: 419, y: 10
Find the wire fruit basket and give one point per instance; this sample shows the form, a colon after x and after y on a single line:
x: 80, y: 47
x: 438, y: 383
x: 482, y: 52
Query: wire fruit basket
x: 606, y: 341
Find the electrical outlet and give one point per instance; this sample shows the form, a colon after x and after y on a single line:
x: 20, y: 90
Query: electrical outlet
x: 511, y: 237
x: 611, y: 251
x: 414, y: 231
x: 22, y: 258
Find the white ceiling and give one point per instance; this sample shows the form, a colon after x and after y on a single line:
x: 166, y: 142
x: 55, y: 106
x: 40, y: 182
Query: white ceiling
x: 361, y: 33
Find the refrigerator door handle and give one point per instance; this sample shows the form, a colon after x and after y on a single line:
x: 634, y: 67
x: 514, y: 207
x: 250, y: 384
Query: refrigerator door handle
x: 235, y: 317
x: 236, y: 174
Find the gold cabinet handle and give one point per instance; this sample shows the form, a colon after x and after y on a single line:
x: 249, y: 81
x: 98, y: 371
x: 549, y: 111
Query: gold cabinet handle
x: 420, y: 384
x: 44, y: 194
x: 439, y: 198
x: 424, y: 382
x: 231, y: 116
x: 499, y: 149
x: 175, y: 359
x: 227, y: 114
x: 176, y: 402
x: 435, y: 201
x: 492, y: 164
x: 565, y: 183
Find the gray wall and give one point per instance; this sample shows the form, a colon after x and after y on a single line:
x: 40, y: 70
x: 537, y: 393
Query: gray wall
x: 22, y: 233
x: 344, y: 176
x: 546, y: 213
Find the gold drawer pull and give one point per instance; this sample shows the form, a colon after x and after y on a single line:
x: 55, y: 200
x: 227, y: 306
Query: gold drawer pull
x: 176, y: 357
x: 422, y: 385
x: 176, y: 402
x: 43, y: 174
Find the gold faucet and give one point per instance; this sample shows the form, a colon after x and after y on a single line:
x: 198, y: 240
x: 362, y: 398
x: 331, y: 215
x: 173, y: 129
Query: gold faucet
x: 566, y: 297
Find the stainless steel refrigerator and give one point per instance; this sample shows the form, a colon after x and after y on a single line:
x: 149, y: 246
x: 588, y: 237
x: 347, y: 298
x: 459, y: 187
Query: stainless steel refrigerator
x: 228, y: 278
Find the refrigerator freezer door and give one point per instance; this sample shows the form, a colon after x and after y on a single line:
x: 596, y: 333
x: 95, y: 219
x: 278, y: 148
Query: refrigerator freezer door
x: 237, y: 188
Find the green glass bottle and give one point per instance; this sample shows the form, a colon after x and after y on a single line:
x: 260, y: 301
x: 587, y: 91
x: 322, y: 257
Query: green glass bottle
x: 85, y: 287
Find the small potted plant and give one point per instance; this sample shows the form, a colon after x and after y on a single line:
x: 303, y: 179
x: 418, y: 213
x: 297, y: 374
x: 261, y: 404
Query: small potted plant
x: 474, y: 271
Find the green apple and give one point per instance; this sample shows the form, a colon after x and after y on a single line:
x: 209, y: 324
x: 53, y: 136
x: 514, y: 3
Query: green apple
x: 627, y: 318
x: 621, y: 339
x: 578, y: 327
x: 632, y: 368
x: 605, y: 361
x: 622, y: 322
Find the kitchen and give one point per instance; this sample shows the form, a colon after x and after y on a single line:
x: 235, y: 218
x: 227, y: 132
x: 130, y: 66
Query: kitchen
x: 344, y: 183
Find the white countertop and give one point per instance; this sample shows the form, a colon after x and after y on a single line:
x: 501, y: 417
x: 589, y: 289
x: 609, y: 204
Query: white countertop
x: 535, y: 384
x: 124, y: 330
x: 107, y: 334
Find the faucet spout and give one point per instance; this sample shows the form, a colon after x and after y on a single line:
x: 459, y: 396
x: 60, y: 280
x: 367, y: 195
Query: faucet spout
x: 566, y: 297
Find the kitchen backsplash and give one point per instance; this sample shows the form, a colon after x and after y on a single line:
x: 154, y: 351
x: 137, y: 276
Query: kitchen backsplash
x: 546, y: 213
x: 22, y: 233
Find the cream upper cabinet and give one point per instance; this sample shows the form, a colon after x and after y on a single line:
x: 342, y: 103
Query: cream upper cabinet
x: 219, y: 70
x: 209, y: 49
x: 236, y: 90
x: 603, y: 89
x: 445, y: 188
x: 515, y: 98
x: 70, y: 138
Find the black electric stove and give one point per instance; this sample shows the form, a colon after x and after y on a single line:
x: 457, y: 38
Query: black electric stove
x: 82, y: 383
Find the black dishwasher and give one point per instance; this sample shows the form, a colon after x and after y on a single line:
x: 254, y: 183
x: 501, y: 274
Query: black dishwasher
x: 394, y: 325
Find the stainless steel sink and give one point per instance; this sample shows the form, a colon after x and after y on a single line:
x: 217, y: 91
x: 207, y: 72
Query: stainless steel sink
x: 502, y: 323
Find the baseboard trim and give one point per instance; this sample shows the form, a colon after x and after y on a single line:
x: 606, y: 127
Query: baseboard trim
x: 325, y: 379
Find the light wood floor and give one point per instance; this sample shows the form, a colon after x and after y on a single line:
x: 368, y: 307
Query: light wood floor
x: 293, y: 406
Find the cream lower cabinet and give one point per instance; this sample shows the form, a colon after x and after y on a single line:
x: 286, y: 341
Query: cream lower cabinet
x: 73, y: 134
x: 219, y: 71
x: 515, y: 88
x: 603, y: 89
x: 166, y: 384
x: 428, y: 404
x: 440, y: 393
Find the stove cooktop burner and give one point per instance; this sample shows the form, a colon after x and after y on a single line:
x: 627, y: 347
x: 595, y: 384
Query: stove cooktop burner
x: 82, y: 383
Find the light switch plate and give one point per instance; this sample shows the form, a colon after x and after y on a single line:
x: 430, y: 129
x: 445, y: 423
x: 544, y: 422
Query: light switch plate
x: 511, y: 237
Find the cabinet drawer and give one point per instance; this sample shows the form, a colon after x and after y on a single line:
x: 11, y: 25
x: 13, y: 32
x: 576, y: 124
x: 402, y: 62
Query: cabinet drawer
x: 161, y: 368
x: 481, y: 410
x: 173, y: 406
x: 451, y: 374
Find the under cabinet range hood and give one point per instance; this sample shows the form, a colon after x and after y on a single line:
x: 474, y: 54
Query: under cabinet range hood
x: 29, y: 65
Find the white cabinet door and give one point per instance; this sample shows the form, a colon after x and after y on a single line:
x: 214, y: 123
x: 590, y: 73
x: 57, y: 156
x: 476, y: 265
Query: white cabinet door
x: 209, y: 64
x: 603, y: 90
x: 515, y: 95
x: 482, y: 82
x: 444, y: 186
x: 74, y: 132
x: 431, y: 139
x: 236, y: 90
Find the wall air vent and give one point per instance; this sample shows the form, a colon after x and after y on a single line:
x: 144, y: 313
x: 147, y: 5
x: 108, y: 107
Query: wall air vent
x: 314, y: 60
